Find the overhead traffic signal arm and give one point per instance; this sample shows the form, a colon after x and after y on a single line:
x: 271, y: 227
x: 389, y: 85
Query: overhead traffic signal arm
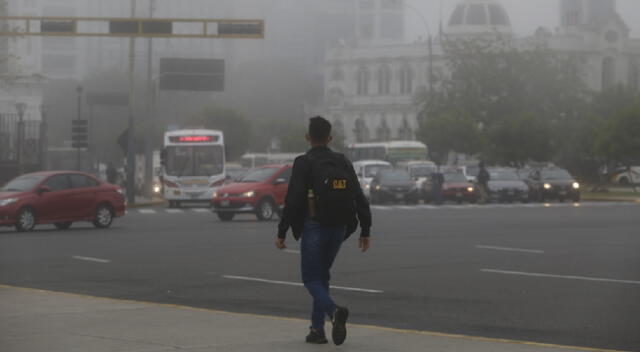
x: 132, y: 27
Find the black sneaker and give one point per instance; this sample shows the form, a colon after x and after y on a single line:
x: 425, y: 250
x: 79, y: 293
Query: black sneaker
x: 339, y: 332
x: 316, y: 337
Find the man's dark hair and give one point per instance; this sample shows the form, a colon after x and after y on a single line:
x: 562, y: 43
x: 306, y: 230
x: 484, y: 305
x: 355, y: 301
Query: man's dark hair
x: 319, y: 129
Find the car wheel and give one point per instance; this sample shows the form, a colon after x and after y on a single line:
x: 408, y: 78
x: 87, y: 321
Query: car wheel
x: 265, y: 210
x: 104, y: 217
x: 26, y: 220
x: 62, y: 225
x: 226, y: 216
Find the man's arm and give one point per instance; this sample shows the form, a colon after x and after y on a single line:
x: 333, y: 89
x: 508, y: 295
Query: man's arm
x: 296, y: 195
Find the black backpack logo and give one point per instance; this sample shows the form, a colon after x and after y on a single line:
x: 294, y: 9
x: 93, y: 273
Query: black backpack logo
x: 334, y: 190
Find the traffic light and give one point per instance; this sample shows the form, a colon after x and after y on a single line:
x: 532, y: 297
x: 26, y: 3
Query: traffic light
x: 79, y: 134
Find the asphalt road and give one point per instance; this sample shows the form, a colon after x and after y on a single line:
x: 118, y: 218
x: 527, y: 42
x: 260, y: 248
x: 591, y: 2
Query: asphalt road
x: 560, y: 274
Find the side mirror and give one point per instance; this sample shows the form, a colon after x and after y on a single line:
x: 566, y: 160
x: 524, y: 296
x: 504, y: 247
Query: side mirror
x: 44, y: 189
x: 279, y: 181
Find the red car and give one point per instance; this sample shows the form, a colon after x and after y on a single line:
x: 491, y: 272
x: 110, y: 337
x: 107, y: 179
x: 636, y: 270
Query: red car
x: 60, y: 198
x: 260, y: 191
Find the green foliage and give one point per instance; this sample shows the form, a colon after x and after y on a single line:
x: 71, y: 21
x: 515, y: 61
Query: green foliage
x: 236, y: 128
x: 500, y: 102
x: 619, y: 138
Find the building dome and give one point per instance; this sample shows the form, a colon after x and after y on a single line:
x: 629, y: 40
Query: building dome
x: 479, y: 16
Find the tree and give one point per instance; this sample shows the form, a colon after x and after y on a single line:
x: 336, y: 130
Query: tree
x: 236, y: 128
x: 618, y: 140
x: 500, y: 101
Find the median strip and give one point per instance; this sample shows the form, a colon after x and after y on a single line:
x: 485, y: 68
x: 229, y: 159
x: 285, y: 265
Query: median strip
x: 289, y: 283
x: 568, y: 277
x: 91, y: 259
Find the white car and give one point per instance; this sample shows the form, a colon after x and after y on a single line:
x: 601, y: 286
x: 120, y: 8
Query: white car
x: 627, y: 177
x: 367, y: 170
x: 420, y: 171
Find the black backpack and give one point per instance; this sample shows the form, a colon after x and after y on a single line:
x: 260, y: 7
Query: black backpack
x: 334, y: 189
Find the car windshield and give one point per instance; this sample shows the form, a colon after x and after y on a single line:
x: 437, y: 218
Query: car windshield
x: 372, y: 170
x: 395, y: 176
x: 454, y: 177
x: 23, y: 183
x: 258, y: 175
x: 421, y: 171
x: 556, y: 174
x: 473, y: 170
x: 503, y: 175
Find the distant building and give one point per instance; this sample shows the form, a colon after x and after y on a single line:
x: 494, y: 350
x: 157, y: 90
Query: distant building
x: 370, y: 87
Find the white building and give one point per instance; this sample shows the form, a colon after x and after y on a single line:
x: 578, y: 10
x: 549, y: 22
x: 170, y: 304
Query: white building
x: 370, y: 87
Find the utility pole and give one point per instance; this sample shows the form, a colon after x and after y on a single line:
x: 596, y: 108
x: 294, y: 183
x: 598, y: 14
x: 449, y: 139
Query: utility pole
x: 79, y: 118
x: 131, y: 173
x: 44, y: 137
x: 150, y: 130
x: 20, y: 108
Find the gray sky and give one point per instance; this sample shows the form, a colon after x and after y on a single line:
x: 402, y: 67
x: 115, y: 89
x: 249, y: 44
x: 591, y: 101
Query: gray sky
x: 526, y: 15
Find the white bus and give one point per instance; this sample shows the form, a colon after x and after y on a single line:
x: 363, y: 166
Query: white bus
x: 192, y: 165
x: 393, y: 152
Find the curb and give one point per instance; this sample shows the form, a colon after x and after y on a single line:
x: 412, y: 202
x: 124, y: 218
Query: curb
x: 612, y: 199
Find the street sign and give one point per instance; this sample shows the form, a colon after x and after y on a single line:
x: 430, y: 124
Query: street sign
x: 79, y: 134
x: 192, y: 74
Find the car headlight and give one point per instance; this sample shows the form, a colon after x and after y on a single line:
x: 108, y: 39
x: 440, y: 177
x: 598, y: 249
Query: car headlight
x: 249, y: 194
x: 576, y: 185
x: 5, y: 202
x: 547, y: 186
x: 367, y: 186
x: 156, y: 189
x: 215, y: 194
x: 378, y: 187
x: 470, y: 189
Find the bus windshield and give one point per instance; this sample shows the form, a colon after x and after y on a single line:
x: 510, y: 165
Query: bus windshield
x: 195, y: 160
x: 422, y: 170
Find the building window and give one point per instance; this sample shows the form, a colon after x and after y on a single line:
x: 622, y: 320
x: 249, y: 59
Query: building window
x: 608, y: 73
x: 337, y: 74
x: 361, y: 130
x: 362, y: 80
x: 476, y: 15
x: 335, y: 97
x: 383, y: 133
x: 384, y: 80
x: 498, y: 16
x: 406, y: 79
x: 405, y: 133
x: 458, y: 14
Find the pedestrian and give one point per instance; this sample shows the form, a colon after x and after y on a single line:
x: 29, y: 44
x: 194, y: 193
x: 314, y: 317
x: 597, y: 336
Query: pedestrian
x: 112, y: 174
x: 323, y: 206
x: 483, y: 183
x: 437, y: 185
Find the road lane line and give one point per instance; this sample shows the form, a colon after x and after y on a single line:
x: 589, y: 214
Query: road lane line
x: 146, y: 211
x: 201, y: 210
x: 568, y: 277
x: 289, y: 283
x: 508, y: 249
x: 174, y: 211
x: 292, y: 251
x: 380, y: 207
x: 91, y: 259
x: 406, y: 207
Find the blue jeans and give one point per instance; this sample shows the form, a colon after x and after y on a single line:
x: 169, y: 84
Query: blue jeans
x: 318, y: 249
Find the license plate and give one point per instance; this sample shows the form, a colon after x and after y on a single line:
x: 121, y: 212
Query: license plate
x: 176, y: 193
x: 459, y: 195
x: 399, y: 196
x: 510, y: 193
x: 224, y: 203
x: 563, y: 193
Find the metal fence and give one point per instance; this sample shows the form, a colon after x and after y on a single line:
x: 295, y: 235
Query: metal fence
x: 19, y: 154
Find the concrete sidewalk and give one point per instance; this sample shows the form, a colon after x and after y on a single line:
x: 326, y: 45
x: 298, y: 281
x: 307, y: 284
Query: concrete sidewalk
x: 35, y: 320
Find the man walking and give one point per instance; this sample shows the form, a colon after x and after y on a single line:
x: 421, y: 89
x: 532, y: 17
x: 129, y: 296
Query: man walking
x: 323, y: 206
x: 483, y: 183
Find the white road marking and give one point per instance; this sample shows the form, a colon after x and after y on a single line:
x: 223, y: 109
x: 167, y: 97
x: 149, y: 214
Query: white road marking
x: 405, y: 207
x: 568, y: 277
x: 201, y: 210
x: 292, y: 251
x: 508, y: 249
x: 424, y: 206
x: 91, y: 259
x: 380, y: 207
x: 288, y: 283
x: 174, y: 211
x: 146, y: 211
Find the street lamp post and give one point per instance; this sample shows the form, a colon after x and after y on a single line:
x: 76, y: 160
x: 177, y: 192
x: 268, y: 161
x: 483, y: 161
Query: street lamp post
x: 79, y: 90
x: 44, y: 136
x: 20, y: 108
